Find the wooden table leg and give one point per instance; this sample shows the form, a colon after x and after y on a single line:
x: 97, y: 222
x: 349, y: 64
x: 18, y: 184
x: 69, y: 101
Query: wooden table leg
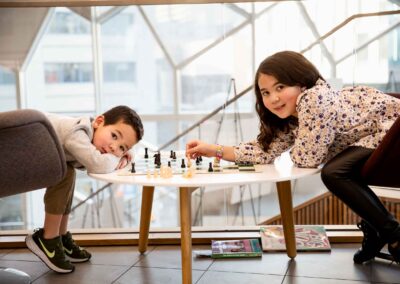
x: 185, y: 195
x: 286, y: 206
x: 145, y: 216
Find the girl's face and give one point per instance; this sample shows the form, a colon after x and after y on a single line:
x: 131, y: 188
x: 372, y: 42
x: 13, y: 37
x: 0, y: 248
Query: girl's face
x: 115, y: 138
x: 278, y: 98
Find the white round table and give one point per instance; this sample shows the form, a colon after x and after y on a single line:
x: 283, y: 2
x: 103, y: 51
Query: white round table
x: 281, y: 172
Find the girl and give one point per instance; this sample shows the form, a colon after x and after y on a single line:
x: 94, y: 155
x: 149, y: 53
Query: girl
x: 299, y: 111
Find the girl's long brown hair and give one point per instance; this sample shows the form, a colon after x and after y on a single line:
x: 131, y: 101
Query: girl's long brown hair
x: 289, y: 68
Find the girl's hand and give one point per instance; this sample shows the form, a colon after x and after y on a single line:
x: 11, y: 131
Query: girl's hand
x: 196, y: 148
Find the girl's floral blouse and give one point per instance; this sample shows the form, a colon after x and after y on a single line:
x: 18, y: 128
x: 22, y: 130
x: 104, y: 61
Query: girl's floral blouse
x: 329, y: 121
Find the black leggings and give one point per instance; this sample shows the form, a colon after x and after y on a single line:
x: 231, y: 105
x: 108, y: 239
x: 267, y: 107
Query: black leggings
x: 341, y: 175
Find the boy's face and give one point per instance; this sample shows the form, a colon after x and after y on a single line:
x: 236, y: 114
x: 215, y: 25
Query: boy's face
x: 115, y: 138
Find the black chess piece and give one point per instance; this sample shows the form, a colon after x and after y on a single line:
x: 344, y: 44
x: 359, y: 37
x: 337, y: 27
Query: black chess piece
x: 169, y: 163
x: 174, y: 156
x: 210, y: 167
x: 198, y: 161
x: 157, y: 160
x: 171, y: 155
x: 183, y: 164
x: 146, y: 154
x: 133, y: 168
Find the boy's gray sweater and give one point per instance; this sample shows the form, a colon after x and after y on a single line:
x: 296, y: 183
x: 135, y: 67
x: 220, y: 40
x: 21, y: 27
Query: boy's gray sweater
x: 76, y: 135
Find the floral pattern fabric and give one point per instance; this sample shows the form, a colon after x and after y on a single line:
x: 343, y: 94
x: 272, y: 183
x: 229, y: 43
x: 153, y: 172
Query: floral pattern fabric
x: 329, y: 121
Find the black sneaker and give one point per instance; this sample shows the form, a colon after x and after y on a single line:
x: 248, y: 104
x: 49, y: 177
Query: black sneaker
x: 50, y: 251
x: 371, y: 244
x: 74, y: 252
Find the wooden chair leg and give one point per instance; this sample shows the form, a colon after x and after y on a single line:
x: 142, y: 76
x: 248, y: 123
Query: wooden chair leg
x: 145, y: 216
x: 185, y: 195
x: 286, y: 207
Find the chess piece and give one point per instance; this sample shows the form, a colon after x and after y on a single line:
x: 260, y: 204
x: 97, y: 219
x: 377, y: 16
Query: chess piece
x: 210, y: 168
x: 169, y: 164
x: 155, y: 174
x: 148, y: 174
x: 146, y: 154
x: 216, y: 163
x: 174, y: 156
x: 198, y: 161
x: 157, y: 160
x: 133, y: 168
x: 171, y: 155
x: 183, y: 164
x: 189, y: 162
x: 189, y: 173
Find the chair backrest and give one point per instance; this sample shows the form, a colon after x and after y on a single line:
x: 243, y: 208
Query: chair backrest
x: 383, y: 166
x: 31, y: 155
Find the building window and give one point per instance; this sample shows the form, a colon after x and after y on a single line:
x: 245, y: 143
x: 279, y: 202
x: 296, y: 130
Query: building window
x: 119, y: 72
x: 66, y: 22
x: 68, y: 72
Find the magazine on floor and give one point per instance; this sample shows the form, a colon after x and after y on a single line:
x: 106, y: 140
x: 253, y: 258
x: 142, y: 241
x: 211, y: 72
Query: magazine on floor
x: 308, y: 238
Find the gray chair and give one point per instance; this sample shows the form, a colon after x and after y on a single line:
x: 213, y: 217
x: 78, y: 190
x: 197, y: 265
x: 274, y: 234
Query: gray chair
x: 31, y: 158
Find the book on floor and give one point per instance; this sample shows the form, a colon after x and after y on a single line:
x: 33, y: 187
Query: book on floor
x: 308, y: 238
x: 236, y: 248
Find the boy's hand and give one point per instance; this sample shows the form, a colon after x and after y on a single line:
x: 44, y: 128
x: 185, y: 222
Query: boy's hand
x: 196, y: 148
x: 124, y: 161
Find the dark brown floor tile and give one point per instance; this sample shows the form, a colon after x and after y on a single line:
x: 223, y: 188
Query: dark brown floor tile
x: 85, y: 273
x: 3, y: 252
x: 238, y: 278
x: 385, y: 272
x: 116, y: 255
x: 144, y: 275
x: 269, y: 263
x: 34, y: 269
x: 307, y: 280
x: 170, y: 257
x: 337, y: 264
x: 21, y: 254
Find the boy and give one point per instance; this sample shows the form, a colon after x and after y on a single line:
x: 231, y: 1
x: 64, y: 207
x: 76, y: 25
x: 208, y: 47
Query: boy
x: 100, y: 145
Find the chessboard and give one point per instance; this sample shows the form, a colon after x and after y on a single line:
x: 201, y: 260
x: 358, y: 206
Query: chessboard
x: 179, y: 165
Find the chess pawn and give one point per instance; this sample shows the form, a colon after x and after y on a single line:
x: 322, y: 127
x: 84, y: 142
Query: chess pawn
x: 146, y: 154
x: 169, y: 172
x: 210, y: 168
x: 183, y: 164
x: 216, y: 162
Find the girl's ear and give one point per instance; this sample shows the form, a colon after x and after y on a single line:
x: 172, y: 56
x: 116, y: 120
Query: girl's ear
x: 98, y: 121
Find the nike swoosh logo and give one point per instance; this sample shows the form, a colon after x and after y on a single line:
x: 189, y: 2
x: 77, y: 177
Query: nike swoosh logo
x: 49, y: 254
x: 69, y: 251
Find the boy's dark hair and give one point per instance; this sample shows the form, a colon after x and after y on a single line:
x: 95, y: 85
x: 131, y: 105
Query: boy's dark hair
x: 127, y: 116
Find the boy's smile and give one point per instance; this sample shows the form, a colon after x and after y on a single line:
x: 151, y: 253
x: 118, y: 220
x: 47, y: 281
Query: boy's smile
x: 115, y: 138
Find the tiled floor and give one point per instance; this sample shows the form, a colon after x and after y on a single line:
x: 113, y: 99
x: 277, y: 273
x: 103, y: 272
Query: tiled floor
x: 162, y: 264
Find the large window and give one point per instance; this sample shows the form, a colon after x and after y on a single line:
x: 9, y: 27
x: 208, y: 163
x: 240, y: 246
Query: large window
x: 174, y: 64
x: 8, y: 99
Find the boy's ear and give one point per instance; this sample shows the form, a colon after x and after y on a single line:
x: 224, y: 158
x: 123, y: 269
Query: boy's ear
x: 99, y: 120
